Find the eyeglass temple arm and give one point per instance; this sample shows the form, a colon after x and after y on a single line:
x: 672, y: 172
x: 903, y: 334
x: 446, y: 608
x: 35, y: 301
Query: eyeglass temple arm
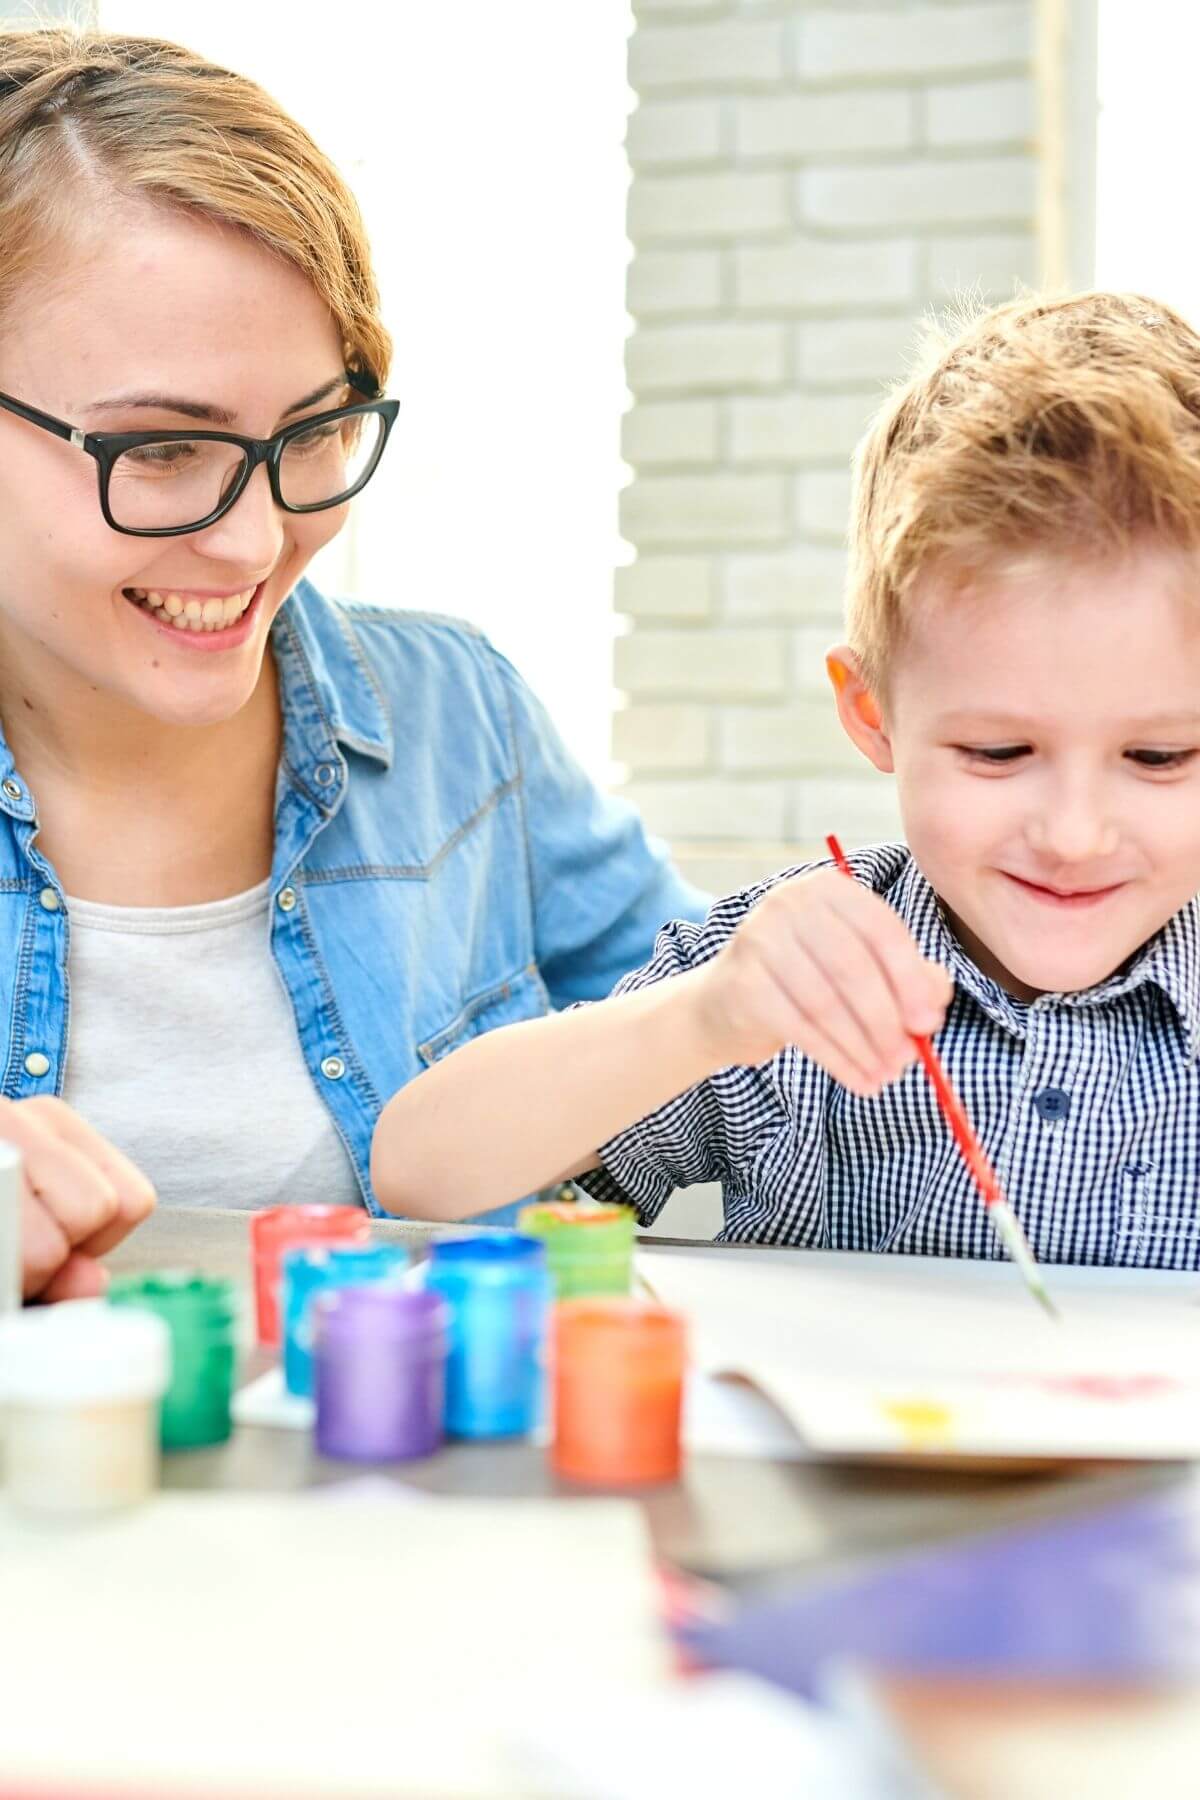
x: 47, y: 421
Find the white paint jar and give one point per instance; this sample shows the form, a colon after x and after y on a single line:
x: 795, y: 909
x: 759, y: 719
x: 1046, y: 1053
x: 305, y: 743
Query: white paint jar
x: 80, y: 1389
x: 11, y: 1185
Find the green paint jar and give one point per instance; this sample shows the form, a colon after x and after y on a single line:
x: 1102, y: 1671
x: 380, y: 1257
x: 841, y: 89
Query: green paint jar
x: 201, y: 1315
x: 589, y: 1249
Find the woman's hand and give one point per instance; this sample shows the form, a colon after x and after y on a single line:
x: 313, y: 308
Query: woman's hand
x: 81, y: 1197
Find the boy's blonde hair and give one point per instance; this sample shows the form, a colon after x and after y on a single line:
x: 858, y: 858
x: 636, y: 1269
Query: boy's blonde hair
x: 1066, y: 425
x: 89, y: 120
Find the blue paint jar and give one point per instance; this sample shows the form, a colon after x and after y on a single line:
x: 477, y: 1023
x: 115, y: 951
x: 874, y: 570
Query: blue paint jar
x: 497, y: 1287
x: 308, y: 1271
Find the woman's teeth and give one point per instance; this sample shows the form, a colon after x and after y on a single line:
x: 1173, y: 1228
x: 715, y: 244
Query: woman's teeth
x: 192, y: 615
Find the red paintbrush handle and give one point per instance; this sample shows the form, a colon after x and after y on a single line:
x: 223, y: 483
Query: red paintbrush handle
x: 972, y: 1150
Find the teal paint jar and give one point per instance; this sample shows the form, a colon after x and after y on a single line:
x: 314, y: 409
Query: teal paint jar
x: 310, y: 1270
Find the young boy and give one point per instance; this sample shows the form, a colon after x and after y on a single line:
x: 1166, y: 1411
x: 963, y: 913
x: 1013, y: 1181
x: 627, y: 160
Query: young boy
x: 1024, y: 656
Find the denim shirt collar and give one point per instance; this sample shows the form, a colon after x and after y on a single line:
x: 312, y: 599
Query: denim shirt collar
x: 329, y: 696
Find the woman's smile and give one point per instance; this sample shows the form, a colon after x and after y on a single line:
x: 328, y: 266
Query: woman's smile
x: 212, y: 622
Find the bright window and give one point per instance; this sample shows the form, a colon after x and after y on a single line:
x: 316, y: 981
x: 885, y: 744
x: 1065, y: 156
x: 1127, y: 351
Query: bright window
x: 484, y: 142
x: 1145, y: 191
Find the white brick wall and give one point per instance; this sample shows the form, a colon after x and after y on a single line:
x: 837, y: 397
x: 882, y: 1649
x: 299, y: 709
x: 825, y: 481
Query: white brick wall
x: 711, y: 509
x: 806, y: 274
x: 674, y: 281
x: 839, y: 41
x: 671, y: 431
x: 686, y: 55
x: 808, y: 177
x: 728, y: 357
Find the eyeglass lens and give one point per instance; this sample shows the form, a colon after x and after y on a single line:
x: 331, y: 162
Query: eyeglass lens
x: 166, y: 486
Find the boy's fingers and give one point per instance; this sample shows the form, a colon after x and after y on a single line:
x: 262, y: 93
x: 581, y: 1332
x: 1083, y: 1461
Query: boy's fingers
x: 821, y: 1025
x: 863, y: 989
x: 813, y: 1043
x: 922, y: 989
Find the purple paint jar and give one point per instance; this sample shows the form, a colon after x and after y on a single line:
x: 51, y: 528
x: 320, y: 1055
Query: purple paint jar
x: 380, y: 1372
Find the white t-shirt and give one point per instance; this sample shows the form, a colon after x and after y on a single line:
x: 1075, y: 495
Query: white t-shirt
x: 183, y: 1051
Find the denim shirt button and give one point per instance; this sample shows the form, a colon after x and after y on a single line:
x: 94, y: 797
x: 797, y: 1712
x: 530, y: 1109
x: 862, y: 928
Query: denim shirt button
x: 286, y: 899
x: 13, y: 789
x: 326, y: 774
x: 48, y: 900
x: 37, y: 1064
x: 333, y: 1068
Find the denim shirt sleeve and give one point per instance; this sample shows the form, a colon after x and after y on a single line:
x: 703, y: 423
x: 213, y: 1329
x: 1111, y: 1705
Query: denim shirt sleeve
x: 601, y: 888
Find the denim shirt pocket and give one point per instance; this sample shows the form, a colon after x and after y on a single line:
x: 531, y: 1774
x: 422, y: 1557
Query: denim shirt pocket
x: 521, y: 996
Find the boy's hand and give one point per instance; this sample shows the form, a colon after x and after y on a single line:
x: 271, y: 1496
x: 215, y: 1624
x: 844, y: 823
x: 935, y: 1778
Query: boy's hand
x: 825, y: 964
x: 81, y: 1197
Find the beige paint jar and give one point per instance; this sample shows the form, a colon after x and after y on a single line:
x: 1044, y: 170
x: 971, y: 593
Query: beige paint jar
x: 80, y: 1389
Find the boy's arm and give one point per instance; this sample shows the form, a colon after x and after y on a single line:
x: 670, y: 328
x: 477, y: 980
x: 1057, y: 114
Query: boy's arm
x: 528, y: 1105
x: 818, y: 962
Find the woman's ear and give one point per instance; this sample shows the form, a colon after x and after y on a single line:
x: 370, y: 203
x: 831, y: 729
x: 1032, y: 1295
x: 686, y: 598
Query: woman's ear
x: 858, y: 709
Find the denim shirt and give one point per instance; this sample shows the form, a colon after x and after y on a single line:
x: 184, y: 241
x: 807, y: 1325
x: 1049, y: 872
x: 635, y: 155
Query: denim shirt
x: 441, y: 865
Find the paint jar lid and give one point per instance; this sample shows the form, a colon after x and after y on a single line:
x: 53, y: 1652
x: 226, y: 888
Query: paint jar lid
x: 83, y: 1351
x: 491, y: 1257
x: 571, y: 1230
x: 183, y: 1296
x: 336, y: 1262
x: 615, y: 1331
x: 380, y: 1310
x: 308, y: 1224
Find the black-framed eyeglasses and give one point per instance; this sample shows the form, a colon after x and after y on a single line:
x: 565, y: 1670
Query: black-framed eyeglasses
x: 169, y: 483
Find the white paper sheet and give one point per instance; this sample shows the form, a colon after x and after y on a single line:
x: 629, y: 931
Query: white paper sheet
x: 710, y: 1738
x: 914, y: 1355
x: 215, y: 1644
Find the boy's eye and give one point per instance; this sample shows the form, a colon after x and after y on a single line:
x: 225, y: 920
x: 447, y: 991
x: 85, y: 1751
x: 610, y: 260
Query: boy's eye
x: 1160, y: 759
x: 995, y: 753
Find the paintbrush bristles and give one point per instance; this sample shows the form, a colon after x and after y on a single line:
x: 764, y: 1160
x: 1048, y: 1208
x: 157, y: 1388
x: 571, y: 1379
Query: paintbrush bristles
x: 1004, y: 1220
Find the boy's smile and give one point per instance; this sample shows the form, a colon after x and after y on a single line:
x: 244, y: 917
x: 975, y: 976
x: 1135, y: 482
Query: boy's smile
x: 1043, y: 724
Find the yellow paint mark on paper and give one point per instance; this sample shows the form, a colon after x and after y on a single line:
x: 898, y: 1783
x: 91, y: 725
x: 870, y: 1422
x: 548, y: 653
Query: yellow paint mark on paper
x: 923, y: 1424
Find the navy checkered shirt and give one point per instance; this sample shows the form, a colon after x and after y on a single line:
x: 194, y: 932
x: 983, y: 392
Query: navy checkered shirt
x: 1088, y: 1105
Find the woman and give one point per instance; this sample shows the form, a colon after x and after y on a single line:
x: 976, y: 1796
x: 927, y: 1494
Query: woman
x: 262, y: 857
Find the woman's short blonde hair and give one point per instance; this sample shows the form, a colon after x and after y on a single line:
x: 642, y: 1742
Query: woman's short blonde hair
x: 1064, y: 425
x: 89, y: 120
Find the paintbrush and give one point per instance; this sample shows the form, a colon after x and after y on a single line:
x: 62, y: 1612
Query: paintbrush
x: 1005, y: 1222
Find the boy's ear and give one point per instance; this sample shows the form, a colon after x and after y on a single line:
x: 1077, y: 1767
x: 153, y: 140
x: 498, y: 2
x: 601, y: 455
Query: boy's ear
x: 858, y: 709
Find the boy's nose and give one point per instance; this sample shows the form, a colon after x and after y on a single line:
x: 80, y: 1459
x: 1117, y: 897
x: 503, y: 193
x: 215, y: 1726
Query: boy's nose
x: 1071, y: 832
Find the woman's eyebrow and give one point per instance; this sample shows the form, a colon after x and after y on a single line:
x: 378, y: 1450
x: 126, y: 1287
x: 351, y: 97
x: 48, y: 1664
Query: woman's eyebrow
x: 200, y: 409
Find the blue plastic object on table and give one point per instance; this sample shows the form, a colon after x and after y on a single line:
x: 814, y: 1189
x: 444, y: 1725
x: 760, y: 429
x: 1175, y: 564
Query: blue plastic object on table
x: 309, y: 1271
x: 1109, y: 1596
x: 498, y: 1289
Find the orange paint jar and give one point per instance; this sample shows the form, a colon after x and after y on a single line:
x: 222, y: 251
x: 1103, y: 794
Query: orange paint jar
x: 617, y: 1373
x: 282, y: 1228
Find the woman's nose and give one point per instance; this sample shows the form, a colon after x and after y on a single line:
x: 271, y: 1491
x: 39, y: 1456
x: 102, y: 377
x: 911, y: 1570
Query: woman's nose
x: 251, y: 533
